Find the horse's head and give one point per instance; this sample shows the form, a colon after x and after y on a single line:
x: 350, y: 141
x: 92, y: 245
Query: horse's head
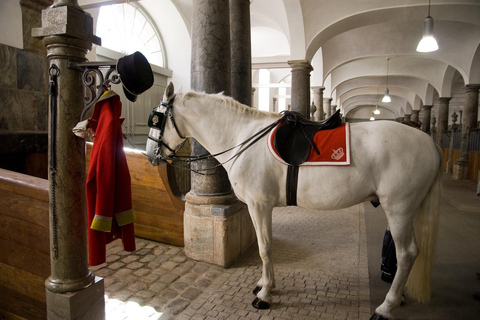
x: 164, y: 138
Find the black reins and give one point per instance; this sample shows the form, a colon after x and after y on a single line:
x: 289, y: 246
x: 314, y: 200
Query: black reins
x: 157, y: 120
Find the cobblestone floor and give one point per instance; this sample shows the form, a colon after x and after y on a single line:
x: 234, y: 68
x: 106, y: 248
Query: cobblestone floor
x: 320, y: 264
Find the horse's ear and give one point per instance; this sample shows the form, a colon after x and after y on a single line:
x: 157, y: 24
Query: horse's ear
x: 169, y: 92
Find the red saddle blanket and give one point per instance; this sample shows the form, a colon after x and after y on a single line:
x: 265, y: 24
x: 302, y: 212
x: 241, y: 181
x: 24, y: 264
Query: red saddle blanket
x: 333, y: 144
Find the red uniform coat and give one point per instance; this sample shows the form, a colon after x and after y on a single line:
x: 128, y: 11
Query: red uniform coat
x: 109, y: 195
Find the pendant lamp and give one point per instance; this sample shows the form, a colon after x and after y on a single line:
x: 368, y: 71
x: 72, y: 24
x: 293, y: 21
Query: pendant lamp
x: 377, y: 111
x: 386, y: 97
x: 428, y: 42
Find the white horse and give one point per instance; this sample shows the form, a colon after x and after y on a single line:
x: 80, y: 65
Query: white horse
x: 391, y: 163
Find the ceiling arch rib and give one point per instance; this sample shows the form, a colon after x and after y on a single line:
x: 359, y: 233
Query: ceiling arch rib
x: 376, y: 94
x: 427, y: 69
x: 418, y: 86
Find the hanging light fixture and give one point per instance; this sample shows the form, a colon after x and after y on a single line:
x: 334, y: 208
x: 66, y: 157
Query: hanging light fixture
x: 377, y: 111
x: 428, y: 42
x: 386, y: 97
x: 372, y: 118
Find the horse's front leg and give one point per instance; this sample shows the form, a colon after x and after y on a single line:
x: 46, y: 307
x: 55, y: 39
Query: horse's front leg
x: 261, y: 215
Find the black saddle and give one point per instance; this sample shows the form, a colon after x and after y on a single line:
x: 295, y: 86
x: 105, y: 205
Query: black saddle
x: 294, y: 138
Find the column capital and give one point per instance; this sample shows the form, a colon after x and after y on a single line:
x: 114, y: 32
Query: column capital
x: 318, y: 88
x: 66, y: 21
x: 328, y: 99
x: 444, y: 99
x: 300, y: 65
x: 427, y: 107
x: 415, y: 111
x: 472, y: 87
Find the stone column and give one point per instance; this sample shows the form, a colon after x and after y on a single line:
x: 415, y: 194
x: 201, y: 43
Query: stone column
x: 241, y: 52
x: 274, y: 104
x: 415, y: 115
x: 427, y: 113
x: 470, y: 114
x: 334, y: 108
x: 401, y: 119
x: 300, y: 92
x: 327, y: 107
x: 213, y: 217
x: 318, y: 100
x: 450, y: 147
x: 72, y: 290
x: 253, y: 97
x: 442, y: 119
x: 407, y: 117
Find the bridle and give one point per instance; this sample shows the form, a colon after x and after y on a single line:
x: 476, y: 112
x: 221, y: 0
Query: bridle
x: 158, y: 120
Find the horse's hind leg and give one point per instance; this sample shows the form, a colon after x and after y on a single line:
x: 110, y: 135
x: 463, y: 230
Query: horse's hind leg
x: 401, y: 227
x: 262, y: 220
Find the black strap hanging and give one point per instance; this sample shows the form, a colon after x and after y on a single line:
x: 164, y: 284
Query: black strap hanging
x: 52, y: 92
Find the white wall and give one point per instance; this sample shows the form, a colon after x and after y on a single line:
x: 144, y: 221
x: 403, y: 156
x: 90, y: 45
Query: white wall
x: 11, y: 23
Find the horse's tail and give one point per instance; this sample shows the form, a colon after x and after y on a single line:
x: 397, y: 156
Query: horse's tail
x: 426, y: 226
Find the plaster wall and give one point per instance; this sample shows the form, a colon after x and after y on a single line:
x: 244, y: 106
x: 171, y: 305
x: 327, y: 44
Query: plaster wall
x: 11, y: 32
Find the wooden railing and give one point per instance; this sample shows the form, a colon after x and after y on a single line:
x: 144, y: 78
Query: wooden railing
x: 24, y: 230
x: 24, y: 245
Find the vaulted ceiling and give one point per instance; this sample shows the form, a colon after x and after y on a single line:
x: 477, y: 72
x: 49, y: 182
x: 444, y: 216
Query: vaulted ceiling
x: 348, y: 43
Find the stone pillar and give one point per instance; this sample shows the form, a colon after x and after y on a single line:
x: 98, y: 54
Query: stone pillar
x: 253, y: 97
x: 407, y: 117
x: 318, y: 100
x: 313, y: 109
x: 214, y: 218
x: 241, y: 52
x: 450, y: 148
x: 415, y: 115
x: 442, y: 119
x: 327, y: 107
x: 72, y: 290
x: 334, y: 108
x: 427, y: 113
x: 470, y: 114
x: 300, y: 92
x: 274, y: 104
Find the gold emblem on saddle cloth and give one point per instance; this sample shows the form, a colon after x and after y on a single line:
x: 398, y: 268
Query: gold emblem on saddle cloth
x: 338, y: 154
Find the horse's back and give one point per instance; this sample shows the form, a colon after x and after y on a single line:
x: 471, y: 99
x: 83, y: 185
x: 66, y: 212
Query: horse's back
x: 388, y: 160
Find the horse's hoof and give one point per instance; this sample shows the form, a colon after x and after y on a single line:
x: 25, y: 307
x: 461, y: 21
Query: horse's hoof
x: 377, y: 317
x: 256, y: 290
x: 259, y: 304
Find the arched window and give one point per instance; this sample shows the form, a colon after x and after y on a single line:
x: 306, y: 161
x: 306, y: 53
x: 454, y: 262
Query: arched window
x: 126, y: 28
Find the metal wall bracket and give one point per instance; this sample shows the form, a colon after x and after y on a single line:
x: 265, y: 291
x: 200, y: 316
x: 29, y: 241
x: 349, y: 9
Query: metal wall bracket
x: 93, y: 75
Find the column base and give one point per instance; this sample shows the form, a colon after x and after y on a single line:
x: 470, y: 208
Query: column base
x: 217, y: 229
x: 460, y: 172
x: 86, y: 304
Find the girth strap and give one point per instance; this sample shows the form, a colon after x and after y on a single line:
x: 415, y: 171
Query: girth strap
x: 292, y: 183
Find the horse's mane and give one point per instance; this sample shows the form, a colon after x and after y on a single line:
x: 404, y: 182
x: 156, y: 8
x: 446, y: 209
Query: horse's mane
x: 223, y: 101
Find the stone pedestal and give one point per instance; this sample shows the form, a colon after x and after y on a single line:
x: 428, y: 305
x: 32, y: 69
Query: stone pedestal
x: 85, y: 304
x: 470, y: 114
x: 217, y: 229
x: 426, y: 118
x: 300, y: 94
x: 318, y: 101
x: 67, y: 32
